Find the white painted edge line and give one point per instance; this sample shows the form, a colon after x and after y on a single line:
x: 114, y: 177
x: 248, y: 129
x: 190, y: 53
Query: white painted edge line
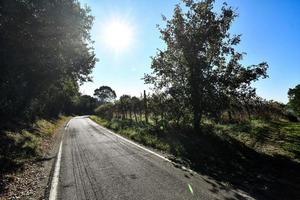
x: 55, y: 178
x: 67, y: 125
x: 129, y: 141
x: 54, y: 183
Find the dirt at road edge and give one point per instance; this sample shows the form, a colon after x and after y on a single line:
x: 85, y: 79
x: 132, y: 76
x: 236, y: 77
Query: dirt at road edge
x: 33, y: 181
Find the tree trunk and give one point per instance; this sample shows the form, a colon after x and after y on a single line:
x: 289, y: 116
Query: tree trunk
x: 135, y: 117
x: 230, y: 116
x: 145, y: 106
x: 248, y: 112
x: 197, y: 119
x: 124, y: 114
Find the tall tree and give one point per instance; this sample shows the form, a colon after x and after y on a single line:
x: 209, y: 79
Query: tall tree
x: 105, y: 94
x: 135, y: 106
x: 294, y: 99
x: 125, y: 104
x: 200, y: 65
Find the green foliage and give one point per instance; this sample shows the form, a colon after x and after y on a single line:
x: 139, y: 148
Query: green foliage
x: 105, y: 94
x: 267, y: 136
x: 101, y: 121
x: 45, y: 52
x: 105, y: 111
x: 273, y: 137
x: 125, y: 106
x: 200, y: 67
x: 138, y: 132
x: 294, y: 99
x: 27, y: 142
x: 84, y: 105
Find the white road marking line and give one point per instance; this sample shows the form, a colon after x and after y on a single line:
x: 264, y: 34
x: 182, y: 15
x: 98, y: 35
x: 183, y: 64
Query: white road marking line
x: 129, y: 141
x: 191, y: 189
x: 67, y: 125
x: 141, y: 147
x: 53, y: 190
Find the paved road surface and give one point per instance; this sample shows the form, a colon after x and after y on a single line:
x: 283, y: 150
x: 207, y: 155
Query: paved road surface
x: 96, y: 164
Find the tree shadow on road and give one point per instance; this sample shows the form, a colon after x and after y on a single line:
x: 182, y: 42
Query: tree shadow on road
x: 229, y: 161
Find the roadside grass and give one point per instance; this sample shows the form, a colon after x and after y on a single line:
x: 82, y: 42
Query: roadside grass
x: 279, y: 137
x: 24, y: 144
x: 258, y: 157
x: 137, y: 131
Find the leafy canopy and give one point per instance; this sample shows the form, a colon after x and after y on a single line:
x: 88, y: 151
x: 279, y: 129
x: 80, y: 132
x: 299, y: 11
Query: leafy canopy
x: 105, y: 94
x: 45, y: 53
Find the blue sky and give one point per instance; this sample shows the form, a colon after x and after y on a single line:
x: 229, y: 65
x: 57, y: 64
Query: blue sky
x: 270, y: 32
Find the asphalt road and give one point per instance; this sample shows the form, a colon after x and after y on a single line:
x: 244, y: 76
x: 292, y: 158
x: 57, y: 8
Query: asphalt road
x: 96, y: 164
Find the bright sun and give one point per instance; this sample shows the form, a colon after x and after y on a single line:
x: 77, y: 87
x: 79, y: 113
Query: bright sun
x: 118, y: 35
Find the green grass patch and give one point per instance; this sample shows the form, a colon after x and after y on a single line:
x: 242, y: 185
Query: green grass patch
x: 19, y: 146
x: 137, y: 131
x: 98, y: 120
x: 270, y: 137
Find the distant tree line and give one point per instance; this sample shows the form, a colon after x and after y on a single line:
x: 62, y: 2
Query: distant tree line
x: 160, y: 109
x: 45, y: 55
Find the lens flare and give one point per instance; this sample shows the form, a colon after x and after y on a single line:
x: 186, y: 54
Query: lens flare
x: 118, y: 35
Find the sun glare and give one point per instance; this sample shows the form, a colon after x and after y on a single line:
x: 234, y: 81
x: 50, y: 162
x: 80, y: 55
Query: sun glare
x: 118, y: 35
